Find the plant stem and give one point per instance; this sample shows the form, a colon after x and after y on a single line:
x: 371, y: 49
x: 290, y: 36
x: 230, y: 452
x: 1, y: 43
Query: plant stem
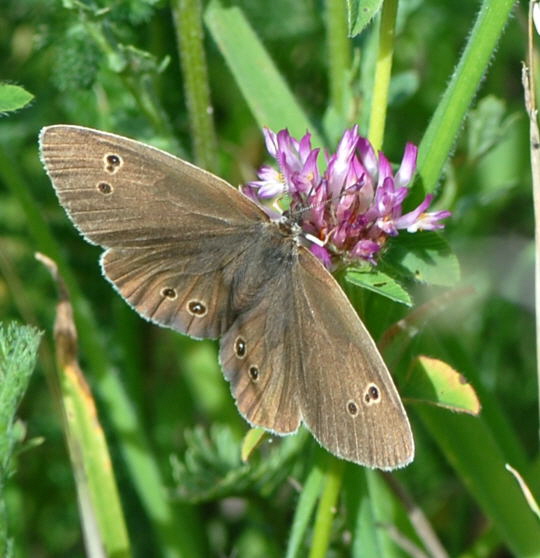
x: 339, y: 52
x: 187, y: 16
x: 327, y: 507
x: 383, y: 71
x: 529, y: 80
x: 448, y: 117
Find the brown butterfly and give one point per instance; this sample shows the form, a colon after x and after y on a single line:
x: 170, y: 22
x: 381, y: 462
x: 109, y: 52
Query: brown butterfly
x: 190, y: 252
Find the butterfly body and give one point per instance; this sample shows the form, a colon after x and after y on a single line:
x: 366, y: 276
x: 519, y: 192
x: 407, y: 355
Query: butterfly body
x: 190, y: 252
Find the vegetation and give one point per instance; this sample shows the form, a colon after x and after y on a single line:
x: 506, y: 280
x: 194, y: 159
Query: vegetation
x: 136, y: 447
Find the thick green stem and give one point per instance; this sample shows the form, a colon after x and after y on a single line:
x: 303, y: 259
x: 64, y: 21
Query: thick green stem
x: 529, y: 82
x: 451, y: 111
x: 383, y: 71
x: 187, y: 15
x: 339, y: 52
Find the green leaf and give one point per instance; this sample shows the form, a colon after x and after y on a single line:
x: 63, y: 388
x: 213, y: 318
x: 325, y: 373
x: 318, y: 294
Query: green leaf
x: 487, y: 126
x: 360, y: 13
x: 527, y: 493
x: 328, y: 502
x: 436, y: 382
x: 424, y: 256
x: 364, y: 527
x: 448, y: 119
x: 380, y: 283
x: 13, y: 97
x: 18, y: 351
x: 304, y: 511
x: 100, y: 508
x: 373, y: 507
x: 252, y: 439
x: 212, y: 468
x: 473, y: 449
x: 77, y: 60
x: 301, y: 18
x: 263, y: 87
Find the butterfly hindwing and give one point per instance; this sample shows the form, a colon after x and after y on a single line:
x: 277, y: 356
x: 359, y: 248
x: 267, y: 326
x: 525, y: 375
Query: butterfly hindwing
x: 301, y: 354
x: 346, y: 394
x: 257, y: 359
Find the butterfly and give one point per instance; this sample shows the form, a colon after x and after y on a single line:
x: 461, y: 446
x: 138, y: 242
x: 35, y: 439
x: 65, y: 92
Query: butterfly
x: 188, y: 251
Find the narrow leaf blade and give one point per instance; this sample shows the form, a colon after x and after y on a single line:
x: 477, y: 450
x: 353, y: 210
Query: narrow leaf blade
x: 263, y: 87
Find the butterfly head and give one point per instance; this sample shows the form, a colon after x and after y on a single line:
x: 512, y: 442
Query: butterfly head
x: 290, y: 224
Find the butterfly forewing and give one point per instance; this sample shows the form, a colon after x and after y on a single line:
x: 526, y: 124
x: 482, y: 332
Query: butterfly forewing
x: 123, y: 193
x: 190, y: 252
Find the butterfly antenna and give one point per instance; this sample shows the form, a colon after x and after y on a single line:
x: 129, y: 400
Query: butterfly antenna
x: 338, y: 196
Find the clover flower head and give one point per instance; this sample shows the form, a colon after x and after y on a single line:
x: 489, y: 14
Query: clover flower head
x: 348, y: 212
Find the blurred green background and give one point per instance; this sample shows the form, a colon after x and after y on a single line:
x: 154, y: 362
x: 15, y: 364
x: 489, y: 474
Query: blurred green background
x: 115, y: 67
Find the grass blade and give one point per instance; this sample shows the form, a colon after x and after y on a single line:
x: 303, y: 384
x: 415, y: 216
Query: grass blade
x: 452, y: 109
x: 105, y: 533
x: 265, y: 91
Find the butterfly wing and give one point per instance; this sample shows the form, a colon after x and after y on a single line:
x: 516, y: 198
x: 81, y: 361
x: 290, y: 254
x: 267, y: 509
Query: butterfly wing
x: 121, y: 193
x: 165, y: 286
x: 171, y: 230
x: 300, y: 353
x: 346, y: 394
x: 259, y: 352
